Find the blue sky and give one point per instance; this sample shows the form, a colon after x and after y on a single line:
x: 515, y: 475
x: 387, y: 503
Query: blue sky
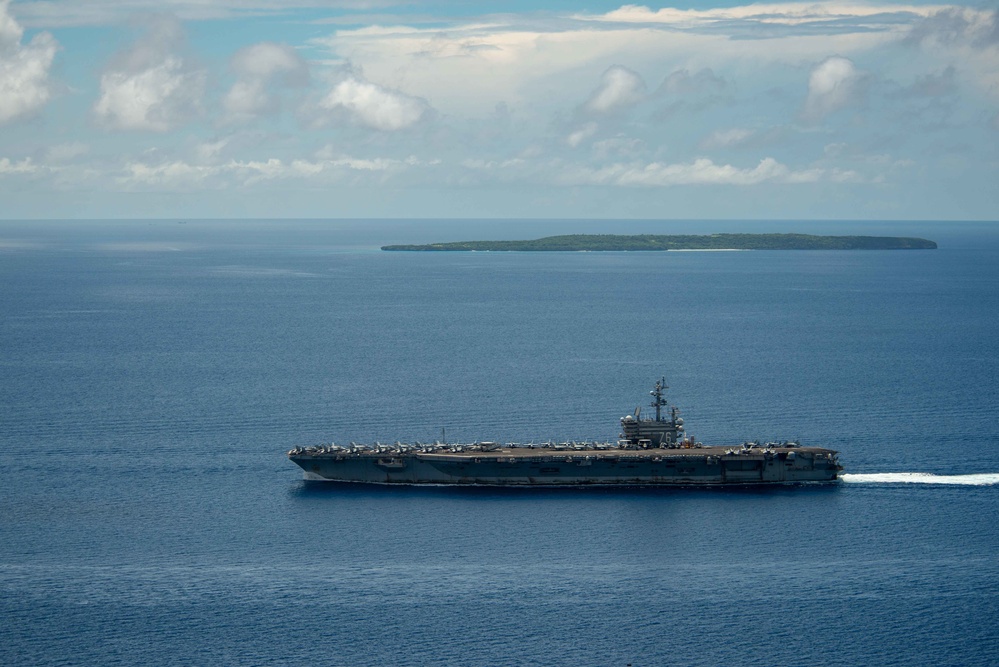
x: 379, y: 108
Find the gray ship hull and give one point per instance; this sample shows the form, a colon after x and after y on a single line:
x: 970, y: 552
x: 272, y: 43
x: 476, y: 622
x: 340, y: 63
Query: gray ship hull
x: 548, y: 466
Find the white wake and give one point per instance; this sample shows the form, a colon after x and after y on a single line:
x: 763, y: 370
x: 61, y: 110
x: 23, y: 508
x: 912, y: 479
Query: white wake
x: 978, y: 479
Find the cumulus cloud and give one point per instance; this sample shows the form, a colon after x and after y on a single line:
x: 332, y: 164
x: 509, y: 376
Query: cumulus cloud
x: 179, y: 174
x: 373, y: 106
x: 701, y: 171
x: 704, y: 171
x: 260, y: 68
x: 619, y: 88
x: 834, y: 84
x: 150, y: 86
x: 24, y: 69
x: 534, y: 62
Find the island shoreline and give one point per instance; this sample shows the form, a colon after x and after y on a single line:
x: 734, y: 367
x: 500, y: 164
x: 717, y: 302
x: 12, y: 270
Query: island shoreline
x: 659, y: 243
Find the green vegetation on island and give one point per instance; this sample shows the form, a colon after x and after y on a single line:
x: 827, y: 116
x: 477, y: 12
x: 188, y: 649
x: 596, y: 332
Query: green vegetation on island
x: 619, y: 242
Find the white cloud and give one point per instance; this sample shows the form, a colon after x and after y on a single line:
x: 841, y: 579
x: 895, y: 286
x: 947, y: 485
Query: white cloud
x: 726, y: 138
x: 107, y: 12
x: 373, y: 106
x: 259, y: 68
x: 724, y: 86
x: 838, y: 175
x: 24, y: 69
x: 533, y: 63
x: 61, y: 153
x: 25, y: 166
x: 150, y: 86
x: 242, y: 173
x: 581, y: 134
x: 209, y: 151
x: 835, y: 150
x: 618, y: 147
x: 834, y: 84
x: 619, y: 88
x: 826, y: 15
x: 701, y: 171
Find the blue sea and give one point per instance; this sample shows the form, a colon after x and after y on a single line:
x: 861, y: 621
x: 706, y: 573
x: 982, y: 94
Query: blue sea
x: 154, y: 373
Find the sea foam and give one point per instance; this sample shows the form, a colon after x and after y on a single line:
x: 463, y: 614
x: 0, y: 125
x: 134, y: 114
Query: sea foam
x: 977, y: 479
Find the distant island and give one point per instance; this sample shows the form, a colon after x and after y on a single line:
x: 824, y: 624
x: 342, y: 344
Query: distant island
x: 658, y: 242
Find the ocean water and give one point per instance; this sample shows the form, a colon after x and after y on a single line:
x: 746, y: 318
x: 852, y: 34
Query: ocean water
x: 153, y: 374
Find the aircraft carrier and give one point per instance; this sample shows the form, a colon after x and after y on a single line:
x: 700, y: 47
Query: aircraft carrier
x: 649, y: 452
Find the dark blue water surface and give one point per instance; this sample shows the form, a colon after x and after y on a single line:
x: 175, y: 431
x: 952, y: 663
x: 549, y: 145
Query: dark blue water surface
x: 152, y: 375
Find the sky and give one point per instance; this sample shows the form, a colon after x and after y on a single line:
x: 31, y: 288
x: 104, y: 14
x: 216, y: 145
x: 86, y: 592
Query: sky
x: 461, y: 109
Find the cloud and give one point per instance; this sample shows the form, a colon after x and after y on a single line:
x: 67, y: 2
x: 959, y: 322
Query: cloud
x: 373, y: 106
x: 179, y: 174
x: 150, y: 86
x: 933, y: 84
x: 957, y: 25
x: 534, y: 62
x: 683, y: 82
x: 61, y: 153
x: 730, y: 138
x: 619, y: 88
x: 834, y: 84
x: 768, y: 20
x: 24, y: 69
x: 209, y: 151
x: 619, y: 147
x: 25, y: 166
x: 258, y: 69
x: 965, y: 36
x: 703, y: 171
x: 581, y: 134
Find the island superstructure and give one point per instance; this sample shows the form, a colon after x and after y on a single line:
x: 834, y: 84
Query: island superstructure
x: 653, y: 451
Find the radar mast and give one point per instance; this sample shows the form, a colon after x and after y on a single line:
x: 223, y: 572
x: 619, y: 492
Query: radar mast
x: 659, y: 397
